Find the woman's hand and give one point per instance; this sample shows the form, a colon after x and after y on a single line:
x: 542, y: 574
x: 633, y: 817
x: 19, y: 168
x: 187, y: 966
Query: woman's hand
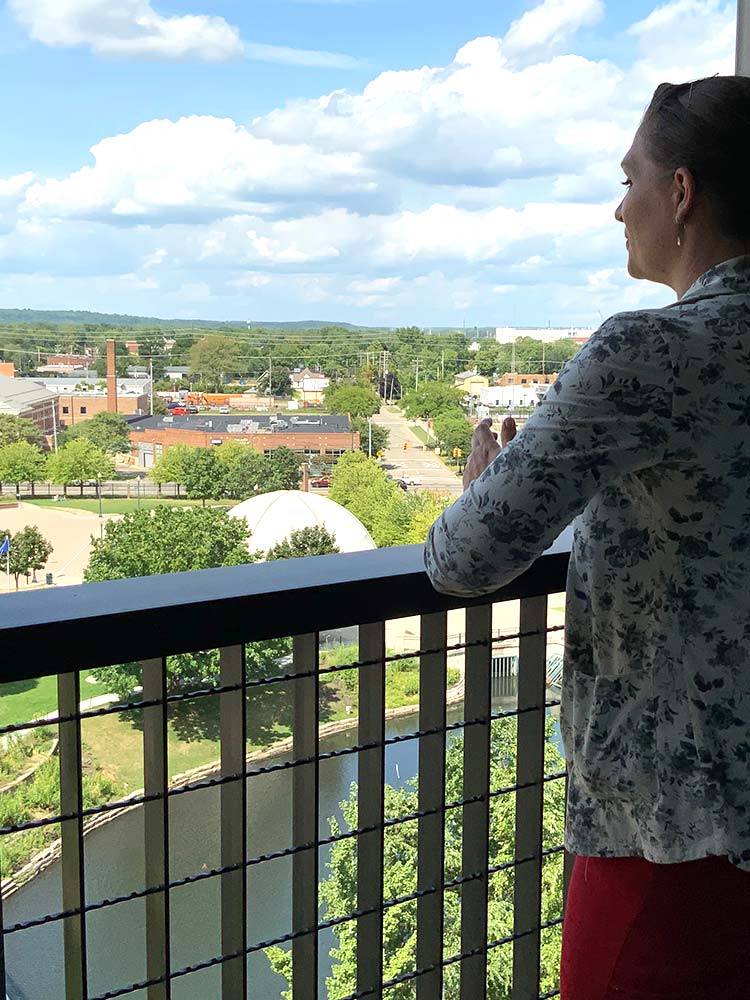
x: 484, y: 447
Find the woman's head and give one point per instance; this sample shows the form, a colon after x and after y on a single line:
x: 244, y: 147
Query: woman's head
x: 687, y: 174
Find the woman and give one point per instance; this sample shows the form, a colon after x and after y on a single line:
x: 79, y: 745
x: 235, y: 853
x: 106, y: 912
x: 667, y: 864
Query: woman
x: 645, y: 438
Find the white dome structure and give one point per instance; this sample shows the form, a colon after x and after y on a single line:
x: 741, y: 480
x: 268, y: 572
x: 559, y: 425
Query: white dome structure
x: 272, y: 517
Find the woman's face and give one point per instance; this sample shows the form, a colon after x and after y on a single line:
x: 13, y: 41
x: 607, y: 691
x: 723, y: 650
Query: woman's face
x: 647, y: 213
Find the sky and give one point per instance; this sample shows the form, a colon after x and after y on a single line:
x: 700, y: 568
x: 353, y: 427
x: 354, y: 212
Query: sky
x: 380, y: 162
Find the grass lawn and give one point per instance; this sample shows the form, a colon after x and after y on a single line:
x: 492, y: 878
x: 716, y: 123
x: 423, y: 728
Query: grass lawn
x: 424, y: 437
x: 21, y: 701
x: 123, y: 505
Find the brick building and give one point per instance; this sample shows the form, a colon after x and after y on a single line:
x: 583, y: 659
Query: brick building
x: 326, y: 436
x: 81, y: 399
x: 22, y: 397
x: 519, y: 378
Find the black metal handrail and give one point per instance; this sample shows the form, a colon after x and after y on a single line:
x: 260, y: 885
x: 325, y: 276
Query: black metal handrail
x: 81, y: 626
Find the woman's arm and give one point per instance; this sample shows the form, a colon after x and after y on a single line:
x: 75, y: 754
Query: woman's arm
x: 608, y: 414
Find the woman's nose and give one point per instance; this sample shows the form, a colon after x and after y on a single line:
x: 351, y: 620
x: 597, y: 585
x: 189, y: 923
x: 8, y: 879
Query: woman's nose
x: 618, y: 213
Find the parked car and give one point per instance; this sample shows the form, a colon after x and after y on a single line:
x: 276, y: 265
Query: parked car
x: 172, y: 405
x: 178, y: 410
x: 402, y: 484
x: 412, y: 482
x: 192, y: 408
x: 323, y: 482
x: 225, y: 409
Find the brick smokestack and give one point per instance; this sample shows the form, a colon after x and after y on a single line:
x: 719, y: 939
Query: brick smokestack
x: 111, y: 378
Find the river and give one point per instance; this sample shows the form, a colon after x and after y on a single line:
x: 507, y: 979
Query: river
x: 114, y: 864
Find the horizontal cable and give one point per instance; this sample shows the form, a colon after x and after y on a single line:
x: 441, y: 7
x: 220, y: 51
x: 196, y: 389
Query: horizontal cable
x: 136, y: 800
x: 251, y: 683
x: 290, y: 851
x: 334, y: 922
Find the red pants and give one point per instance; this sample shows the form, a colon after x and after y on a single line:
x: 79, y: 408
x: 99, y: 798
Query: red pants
x: 639, y: 931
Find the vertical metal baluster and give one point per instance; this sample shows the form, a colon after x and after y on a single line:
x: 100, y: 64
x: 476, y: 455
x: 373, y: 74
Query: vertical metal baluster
x: 476, y: 815
x: 156, y: 826
x: 529, y: 801
x: 3, y: 984
x: 233, y: 824
x: 305, y: 818
x: 71, y: 831
x: 371, y: 776
x: 431, y: 836
x: 569, y: 859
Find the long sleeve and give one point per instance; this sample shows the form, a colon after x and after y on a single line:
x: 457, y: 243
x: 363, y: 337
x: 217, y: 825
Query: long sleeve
x: 607, y: 415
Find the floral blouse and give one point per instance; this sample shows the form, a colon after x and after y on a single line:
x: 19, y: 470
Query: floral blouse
x: 643, y: 439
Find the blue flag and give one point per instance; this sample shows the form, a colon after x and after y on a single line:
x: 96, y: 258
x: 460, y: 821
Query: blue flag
x: 5, y: 546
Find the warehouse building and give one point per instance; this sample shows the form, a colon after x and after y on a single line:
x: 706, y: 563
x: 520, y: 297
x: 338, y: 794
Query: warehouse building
x: 308, y: 436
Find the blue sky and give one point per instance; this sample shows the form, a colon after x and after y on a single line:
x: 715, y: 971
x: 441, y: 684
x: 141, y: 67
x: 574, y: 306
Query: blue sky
x: 188, y: 159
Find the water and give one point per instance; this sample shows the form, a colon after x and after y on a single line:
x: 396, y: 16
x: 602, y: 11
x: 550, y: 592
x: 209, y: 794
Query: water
x: 116, y: 939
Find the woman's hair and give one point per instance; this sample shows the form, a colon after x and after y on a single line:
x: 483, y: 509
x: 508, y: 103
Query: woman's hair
x: 705, y: 126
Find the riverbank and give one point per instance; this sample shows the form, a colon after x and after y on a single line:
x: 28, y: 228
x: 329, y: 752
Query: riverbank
x: 205, y: 772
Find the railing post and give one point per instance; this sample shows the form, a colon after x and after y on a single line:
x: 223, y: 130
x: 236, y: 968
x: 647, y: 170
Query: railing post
x: 371, y: 781
x: 156, y: 826
x: 476, y: 815
x: 305, y: 818
x: 431, y: 829
x: 233, y: 715
x: 71, y: 832
x: 529, y: 801
x: 742, y: 54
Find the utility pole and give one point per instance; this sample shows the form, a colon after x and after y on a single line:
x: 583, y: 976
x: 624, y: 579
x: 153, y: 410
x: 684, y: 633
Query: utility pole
x: 543, y: 354
x: 270, y: 376
x: 513, y: 358
x: 369, y: 437
x: 416, y: 381
x: 442, y: 364
x: 151, y: 379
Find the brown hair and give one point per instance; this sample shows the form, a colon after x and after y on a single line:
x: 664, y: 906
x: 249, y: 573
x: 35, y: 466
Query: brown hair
x: 705, y: 126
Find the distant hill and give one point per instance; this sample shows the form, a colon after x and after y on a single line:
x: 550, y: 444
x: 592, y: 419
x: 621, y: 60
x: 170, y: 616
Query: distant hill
x: 56, y: 317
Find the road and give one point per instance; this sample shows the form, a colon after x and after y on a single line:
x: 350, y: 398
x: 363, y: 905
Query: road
x: 416, y: 461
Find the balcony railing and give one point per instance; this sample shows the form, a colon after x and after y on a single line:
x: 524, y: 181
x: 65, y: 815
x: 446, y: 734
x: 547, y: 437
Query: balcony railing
x: 63, y: 632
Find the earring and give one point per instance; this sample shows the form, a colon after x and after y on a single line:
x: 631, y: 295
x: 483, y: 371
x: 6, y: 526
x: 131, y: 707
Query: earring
x: 680, y: 231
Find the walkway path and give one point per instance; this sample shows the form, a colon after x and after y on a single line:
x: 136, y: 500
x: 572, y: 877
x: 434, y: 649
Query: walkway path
x: 416, y: 461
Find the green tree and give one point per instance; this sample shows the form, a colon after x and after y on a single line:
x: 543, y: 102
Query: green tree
x: 424, y: 509
x: 78, y: 461
x: 453, y: 430
x: 29, y: 551
x: 316, y: 541
x: 430, y: 399
x: 204, y: 479
x: 14, y: 429
x: 356, y: 400
x: 380, y: 436
x: 339, y: 891
x: 21, y: 462
x: 244, y: 470
x: 108, y: 431
x: 170, y: 468
x: 282, y: 470
x: 360, y: 485
x: 174, y: 540
x: 215, y: 357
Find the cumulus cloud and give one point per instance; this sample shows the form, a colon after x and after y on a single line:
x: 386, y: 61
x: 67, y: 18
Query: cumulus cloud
x: 196, y: 168
x: 464, y: 186
x: 545, y: 28
x: 128, y: 28
x: 133, y: 28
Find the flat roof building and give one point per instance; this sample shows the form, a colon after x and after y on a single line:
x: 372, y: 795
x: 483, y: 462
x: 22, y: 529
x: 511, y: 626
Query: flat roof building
x: 308, y: 436
x: 22, y: 397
